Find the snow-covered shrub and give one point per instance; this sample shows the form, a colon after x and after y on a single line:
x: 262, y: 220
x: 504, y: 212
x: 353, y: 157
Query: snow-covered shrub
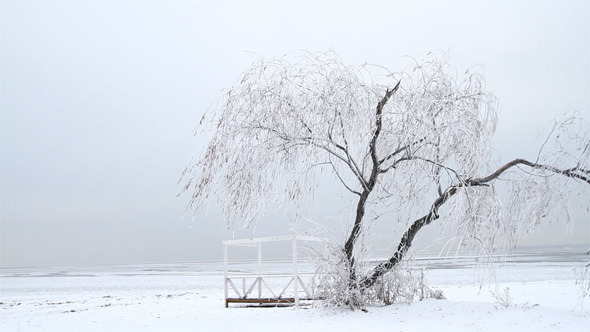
x: 333, y: 283
x: 402, y: 284
x: 504, y: 299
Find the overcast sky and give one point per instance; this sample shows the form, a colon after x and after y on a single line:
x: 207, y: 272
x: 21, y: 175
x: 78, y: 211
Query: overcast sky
x: 99, y: 100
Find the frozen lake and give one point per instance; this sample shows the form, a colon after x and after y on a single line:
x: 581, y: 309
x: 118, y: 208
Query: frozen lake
x: 189, y: 296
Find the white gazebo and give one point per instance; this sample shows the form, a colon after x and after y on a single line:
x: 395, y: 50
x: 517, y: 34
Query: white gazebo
x: 289, y: 293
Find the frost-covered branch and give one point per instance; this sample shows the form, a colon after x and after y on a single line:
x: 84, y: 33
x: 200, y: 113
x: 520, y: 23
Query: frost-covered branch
x: 408, y: 237
x: 574, y: 172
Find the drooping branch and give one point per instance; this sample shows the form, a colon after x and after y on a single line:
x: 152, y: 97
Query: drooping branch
x: 408, y: 237
x: 313, y: 141
x: 342, y: 180
x: 404, y: 148
x: 434, y: 163
x: 353, y: 165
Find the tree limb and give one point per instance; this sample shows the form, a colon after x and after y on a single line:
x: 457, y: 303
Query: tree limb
x: 408, y: 237
x: 342, y: 180
x: 400, y: 150
x: 566, y: 172
x: 379, y: 123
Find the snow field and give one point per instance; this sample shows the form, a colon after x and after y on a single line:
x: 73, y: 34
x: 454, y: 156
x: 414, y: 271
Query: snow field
x: 189, y: 297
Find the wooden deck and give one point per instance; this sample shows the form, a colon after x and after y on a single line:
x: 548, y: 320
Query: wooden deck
x: 263, y: 301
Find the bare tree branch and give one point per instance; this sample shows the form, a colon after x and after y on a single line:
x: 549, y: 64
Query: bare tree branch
x: 379, y: 124
x: 566, y: 172
x: 408, y: 237
x: 342, y: 181
x: 404, y: 148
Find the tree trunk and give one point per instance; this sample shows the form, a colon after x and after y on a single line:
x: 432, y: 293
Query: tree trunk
x: 368, y: 185
x: 354, y: 234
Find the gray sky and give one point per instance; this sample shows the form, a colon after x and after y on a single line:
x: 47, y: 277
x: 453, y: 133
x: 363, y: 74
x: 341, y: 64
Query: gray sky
x: 99, y: 99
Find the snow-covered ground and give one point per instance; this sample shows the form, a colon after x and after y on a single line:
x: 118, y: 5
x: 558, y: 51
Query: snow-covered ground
x: 190, y: 297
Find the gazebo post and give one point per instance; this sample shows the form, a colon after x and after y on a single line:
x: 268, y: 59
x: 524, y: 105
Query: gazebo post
x: 225, y: 259
x: 259, y: 270
x: 295, y: 276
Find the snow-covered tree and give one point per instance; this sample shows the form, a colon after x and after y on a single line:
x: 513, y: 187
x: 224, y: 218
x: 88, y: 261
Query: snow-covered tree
x: 415, y: 140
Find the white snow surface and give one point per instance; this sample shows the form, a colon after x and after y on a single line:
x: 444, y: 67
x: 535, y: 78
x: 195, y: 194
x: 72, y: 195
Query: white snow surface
x: 190, y: 297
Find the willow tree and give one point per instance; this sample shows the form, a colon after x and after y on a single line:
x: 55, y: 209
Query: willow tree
x: 418, y: 140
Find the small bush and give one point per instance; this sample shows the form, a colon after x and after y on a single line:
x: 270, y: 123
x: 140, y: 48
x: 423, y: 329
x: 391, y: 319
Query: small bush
x: 504, y: 299
x: 400, y: 285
